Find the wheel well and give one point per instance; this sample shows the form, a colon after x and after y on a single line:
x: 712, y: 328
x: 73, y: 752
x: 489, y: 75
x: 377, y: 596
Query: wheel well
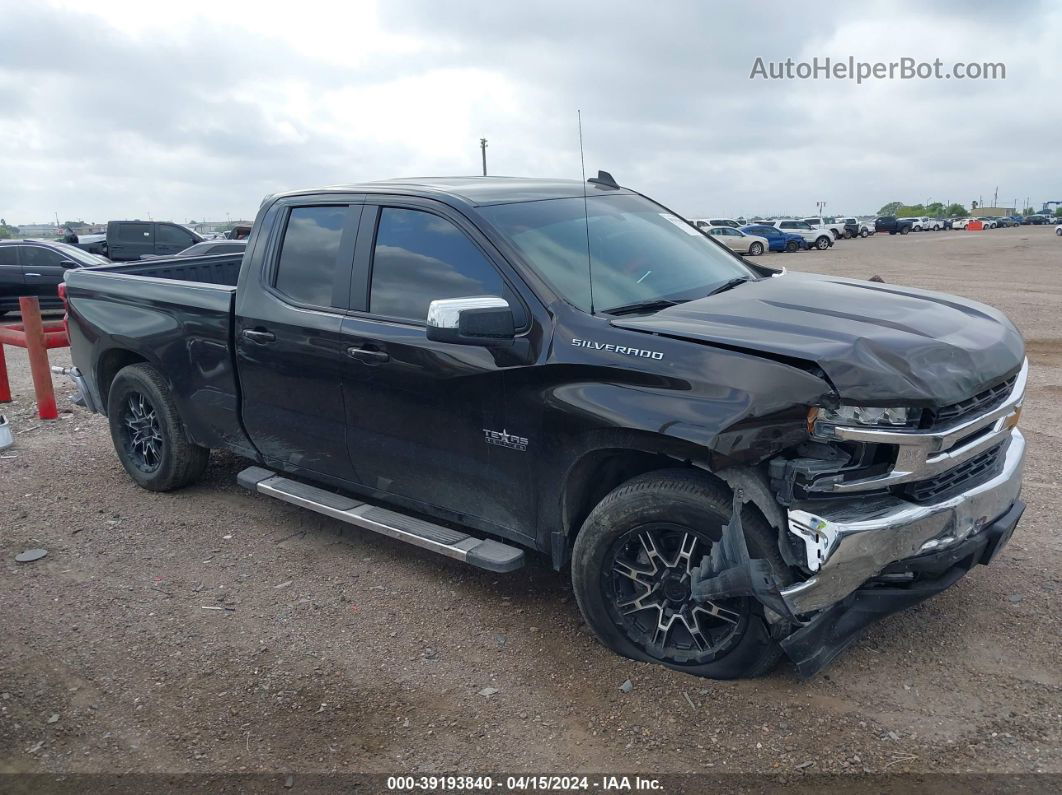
x: 595, y: 475
x: 109, y: 365
x: 598, y: 473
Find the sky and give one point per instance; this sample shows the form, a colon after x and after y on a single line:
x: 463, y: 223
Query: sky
x: 197, y: 110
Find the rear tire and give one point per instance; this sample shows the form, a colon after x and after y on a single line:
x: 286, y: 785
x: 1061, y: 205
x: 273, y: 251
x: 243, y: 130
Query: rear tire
x: 905, y: 230
x: 792, y: 246
x: 864, y: 233
x: 148, y: 432
x: 756, y: 249
x: 682, y: 513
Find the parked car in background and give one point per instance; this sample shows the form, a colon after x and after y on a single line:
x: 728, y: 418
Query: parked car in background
x: 987, y: 221
x: 130, y: 240
x: 207, y: 248
x: 1004, y: 221
x: 1058, y: 230
x: 36, y: 268
x: 819, y: 238
x: 738, y: 241
x: 709, y: 223
x: 1036, y: 220
x: 828, y: 223
x: 777, y: 240
x: 893, y: 225
x: 853, y: 227
x: 1018, y: 219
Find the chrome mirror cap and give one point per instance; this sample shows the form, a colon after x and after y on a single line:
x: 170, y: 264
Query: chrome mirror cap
x: 446, y: 312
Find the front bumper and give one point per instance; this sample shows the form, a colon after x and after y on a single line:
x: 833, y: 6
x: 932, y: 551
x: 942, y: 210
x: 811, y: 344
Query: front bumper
x: 817, y: 643
x: 851, y: 541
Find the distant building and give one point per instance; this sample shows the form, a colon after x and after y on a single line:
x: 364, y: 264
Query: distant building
x: 37, y: 230
x: 993, y: 211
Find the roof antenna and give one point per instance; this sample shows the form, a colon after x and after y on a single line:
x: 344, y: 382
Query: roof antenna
x: 586, y: 213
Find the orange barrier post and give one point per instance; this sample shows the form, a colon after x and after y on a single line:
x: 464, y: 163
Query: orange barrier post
x: 5, y: 386
x: 36, y: 337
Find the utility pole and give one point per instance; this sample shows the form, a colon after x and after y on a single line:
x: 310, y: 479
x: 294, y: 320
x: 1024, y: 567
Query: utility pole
x: 995, y: 197
x: 483, y: 150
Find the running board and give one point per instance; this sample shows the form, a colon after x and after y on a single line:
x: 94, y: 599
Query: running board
x: 483, y: 553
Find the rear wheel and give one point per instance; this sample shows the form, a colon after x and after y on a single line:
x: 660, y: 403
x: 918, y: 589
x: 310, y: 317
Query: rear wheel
x: 792, y: 246
x: 148, y: 433
x: 756, y: 249
x: 631, y: 572
x: 905, y: 230
x: 864, y: 233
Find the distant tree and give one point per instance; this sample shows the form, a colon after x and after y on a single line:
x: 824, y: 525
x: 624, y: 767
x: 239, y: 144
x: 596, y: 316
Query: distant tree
x: 1029, y: 211
x: 955, y: 210
x: 936, y: 209
x: 1058, y: 212
x: 891, y: 208
x: 910, y: 211
x: 7, y: 232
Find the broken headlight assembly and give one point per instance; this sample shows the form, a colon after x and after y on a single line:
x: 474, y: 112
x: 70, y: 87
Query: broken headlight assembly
x: 821, y: 419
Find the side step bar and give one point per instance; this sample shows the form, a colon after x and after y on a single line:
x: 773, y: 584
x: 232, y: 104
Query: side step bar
x: 483, y: 553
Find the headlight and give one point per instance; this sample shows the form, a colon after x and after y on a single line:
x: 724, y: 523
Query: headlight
x: 871, y: 416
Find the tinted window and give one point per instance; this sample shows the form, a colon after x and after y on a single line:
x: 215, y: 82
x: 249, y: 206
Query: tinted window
x: 174, y: 235
x: 135, y: 233
x: 308, y: 255
x: 420, y: 258
x: 8, y: 256
x: 36, y: 257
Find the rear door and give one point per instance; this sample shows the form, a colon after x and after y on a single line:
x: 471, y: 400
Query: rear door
x: 129, y: 240
x: 171, y: 239
x: 290, y: 348
x: 42, y: 271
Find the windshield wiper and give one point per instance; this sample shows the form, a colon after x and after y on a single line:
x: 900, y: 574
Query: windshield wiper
x: 730, y: 285
x: 653, y: 305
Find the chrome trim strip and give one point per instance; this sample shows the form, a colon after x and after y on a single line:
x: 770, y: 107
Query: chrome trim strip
x: 925, y: 454
x: 848, y: 543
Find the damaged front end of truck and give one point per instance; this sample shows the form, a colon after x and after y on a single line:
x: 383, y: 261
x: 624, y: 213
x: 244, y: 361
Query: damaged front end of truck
x: 882, y: 508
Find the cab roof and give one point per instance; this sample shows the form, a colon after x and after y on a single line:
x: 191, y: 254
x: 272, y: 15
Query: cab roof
x: 476, y: 191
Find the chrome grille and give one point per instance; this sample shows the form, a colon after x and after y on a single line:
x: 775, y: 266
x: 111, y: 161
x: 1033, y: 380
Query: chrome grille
x: 967, y: 474
x: 983, y: 401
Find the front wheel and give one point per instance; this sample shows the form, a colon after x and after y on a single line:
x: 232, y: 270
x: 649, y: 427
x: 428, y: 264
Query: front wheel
x: 1057, y: 232
x: 905, y: 230
x: 823, y: 243
x: 632, y: 568
x: 864, y: 233
x: 756, y: 249
x: 148, y: 433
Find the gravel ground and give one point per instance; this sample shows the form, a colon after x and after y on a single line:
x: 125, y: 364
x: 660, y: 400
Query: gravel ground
x: 337, y: 650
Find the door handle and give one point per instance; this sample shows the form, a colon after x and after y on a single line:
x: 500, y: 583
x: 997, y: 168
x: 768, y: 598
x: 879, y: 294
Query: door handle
x: 370, y: 355
x: 31, y: 274
x: 261, y: 337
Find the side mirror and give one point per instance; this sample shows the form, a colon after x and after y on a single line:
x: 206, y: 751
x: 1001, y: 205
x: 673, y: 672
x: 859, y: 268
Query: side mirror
x: 479, y: 320
x: 68, y: 263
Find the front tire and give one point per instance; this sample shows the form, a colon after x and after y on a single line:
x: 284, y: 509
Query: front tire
x: 148, y: 432
x: 864, y: 233
x: 631, y: 567
x: 756, y: 249
x: 823, y: 243
x: 905, y: 230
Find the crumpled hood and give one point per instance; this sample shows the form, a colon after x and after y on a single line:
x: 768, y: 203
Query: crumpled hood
x: 877, y: 343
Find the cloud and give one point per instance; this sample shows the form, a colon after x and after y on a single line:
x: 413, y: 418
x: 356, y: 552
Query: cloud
x: 123, y: 109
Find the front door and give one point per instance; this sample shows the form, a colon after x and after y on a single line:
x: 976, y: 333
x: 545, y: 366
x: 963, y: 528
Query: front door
x: 290, y: 348
x: 42, y: 271
x: 172, y: 239
x: 428, y: 421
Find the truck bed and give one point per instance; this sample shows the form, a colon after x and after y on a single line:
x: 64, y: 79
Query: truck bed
x: 219, y: 269
x: 175, y: 313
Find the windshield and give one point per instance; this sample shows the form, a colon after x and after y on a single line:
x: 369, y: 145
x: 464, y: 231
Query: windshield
x: 640, y: 251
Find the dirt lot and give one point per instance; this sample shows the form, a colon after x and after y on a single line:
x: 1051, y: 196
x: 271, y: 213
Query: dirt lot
x: 344, y: 651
